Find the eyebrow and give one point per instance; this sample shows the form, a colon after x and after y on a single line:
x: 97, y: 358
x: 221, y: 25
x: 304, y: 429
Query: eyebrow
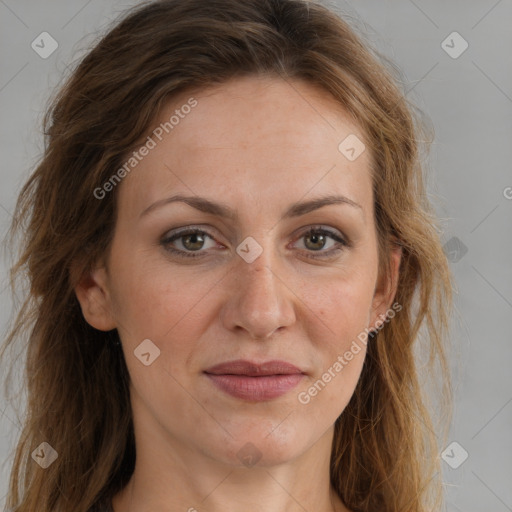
x: 222, y: 210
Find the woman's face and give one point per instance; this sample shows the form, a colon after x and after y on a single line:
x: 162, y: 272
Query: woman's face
x: 253, y: 285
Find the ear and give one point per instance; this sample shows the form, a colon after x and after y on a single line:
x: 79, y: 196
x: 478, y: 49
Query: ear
x: 92, y: 292
x: 385, y: 289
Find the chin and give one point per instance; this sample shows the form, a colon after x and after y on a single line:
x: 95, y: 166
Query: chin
x: 261, y: 447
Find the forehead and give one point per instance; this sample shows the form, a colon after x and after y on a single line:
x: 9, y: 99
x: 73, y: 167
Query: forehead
x: 264, y: 112
x: 251, y: 139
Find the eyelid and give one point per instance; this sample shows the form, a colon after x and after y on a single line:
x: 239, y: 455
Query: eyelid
x: 174, y: 235
x: 342, y: 242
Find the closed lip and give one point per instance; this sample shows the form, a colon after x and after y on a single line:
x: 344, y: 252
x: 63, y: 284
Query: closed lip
x: 253, y: 369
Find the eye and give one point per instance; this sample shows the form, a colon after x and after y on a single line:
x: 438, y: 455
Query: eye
x: 191, y: 241
x: 316, y: 239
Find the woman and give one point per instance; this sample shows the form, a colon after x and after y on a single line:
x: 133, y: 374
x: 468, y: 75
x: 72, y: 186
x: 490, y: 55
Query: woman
x: 230, y: 201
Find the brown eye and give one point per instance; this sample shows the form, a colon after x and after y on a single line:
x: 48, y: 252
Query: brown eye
x: 317, y: 239
x: 191, y: 240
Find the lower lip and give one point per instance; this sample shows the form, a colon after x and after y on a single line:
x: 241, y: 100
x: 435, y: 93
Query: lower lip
x: 256, y: 389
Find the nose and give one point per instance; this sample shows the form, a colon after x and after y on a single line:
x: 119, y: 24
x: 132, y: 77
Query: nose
x: 261, y: 301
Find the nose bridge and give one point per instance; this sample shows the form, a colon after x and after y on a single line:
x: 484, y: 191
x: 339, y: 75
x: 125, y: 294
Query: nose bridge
x: 259, y: 289
x: 261, y: 303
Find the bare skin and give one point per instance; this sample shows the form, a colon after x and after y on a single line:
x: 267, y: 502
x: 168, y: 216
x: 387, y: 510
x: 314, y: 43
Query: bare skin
x: 257, y: 145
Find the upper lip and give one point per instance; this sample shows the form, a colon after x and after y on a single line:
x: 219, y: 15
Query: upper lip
x: 252, y: 369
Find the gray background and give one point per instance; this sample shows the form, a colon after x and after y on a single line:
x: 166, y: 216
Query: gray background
x: 468, y: 99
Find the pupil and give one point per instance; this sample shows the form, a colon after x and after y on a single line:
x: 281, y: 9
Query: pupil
x: 315, y: 238
x: 194, y: 237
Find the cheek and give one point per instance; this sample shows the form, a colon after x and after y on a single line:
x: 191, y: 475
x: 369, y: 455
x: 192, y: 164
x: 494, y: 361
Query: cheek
x: 341, y: 306
x: 168, y: 308
x: 152, y: 299
x: 339, y: 316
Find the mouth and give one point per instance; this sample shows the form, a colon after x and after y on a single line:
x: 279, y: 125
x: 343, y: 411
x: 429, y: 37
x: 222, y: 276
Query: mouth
x: 255, y: 382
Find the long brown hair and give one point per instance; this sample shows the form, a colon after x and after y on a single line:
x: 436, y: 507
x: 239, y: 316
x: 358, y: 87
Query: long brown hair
x: 385, y: 452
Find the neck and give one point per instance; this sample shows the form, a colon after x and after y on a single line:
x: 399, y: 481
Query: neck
x: 180, y: 479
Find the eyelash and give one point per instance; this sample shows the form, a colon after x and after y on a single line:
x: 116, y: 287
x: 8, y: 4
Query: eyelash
x: 165, y: 242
